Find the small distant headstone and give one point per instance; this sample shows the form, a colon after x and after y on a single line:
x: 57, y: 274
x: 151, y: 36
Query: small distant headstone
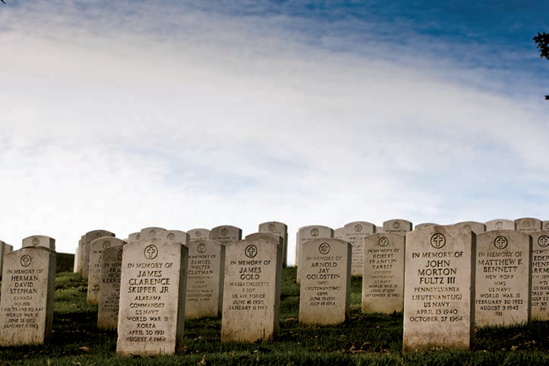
x: 86, y: 247
x: 250, y: 298
x: 109, y: 296
x: 527, y: 225
x: 500, y: 224
x: 338, y: 234
x: 325, y: 282
x: 397, y: 226
x: 280, y: 229
x: 226, y: 234
x: 148, y: 233
x: 133, y: 237
x: 383, y: 280
x: 503, y: 278
x: 96, y: 258
x: 545, y: 225
x: 80, y: 258
x: 199, y: 234
x: 76, y: 261
x: 205, y: 273
x: 152, y: 298
x: 476, y: 227
x: 305, y: 234
x: 2, y: 248
x: 175, y: 235
x: 28, y: 285
x: 379, y: 229
x: 439, y: 289
x: 540, y: 275
x: 355, y: 232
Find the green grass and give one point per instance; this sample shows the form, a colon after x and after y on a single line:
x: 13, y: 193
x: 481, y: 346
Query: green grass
x: 366, y: 339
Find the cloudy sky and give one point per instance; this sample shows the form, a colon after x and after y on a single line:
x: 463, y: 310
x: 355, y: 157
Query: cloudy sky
x: 181, y: 114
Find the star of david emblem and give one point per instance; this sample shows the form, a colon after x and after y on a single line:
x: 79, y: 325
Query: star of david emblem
x: 324, y: 248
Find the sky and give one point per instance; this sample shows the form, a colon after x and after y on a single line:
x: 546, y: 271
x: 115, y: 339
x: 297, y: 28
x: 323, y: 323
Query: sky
x: 120, y: 115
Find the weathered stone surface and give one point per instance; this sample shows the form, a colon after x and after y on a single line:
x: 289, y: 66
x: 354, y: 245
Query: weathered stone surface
x: 27, y: 296
x: 379, y: 229
x: 306, y: 233
x: 503, y: 278
x: 280, y: 229
x: 476, y: 227
x: 133, y: 237
x: 152, y: 298
x: 439, y: 288
x: 325, y: 282
x: 39, y: 241
x: 527, y: 225
x: 199, y: 234
x: 545, y: 225
x: 354, y: 233
x: 2, y: 249
x: 175, y: 235
x: 397, y: 226
x: 97, y: 247
x: 424, y: 225
x: 540, y: 275
x: 383, y: 280
x: 150, y: 233
x: 109, y: 296
x: 338, y: 234
x: 80, y: 259
x: 251, y: 298
x: 500, y: 224
x: 205, y: 273
x: 226, y: 234
x: 88, y: 238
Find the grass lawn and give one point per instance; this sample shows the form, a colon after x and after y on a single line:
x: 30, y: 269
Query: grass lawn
x: 366, y: 339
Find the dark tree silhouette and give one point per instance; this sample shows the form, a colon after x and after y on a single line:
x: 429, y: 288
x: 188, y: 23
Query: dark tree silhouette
x: 542, y: 40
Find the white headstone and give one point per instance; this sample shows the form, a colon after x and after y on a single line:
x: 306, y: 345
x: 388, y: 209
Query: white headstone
x: 500, y: 224
x: 540, y: 275
x: 133, y: 237
x: 280, y: 229
x: 88, y: 238
x: 226, y: 234
x: 439, y: 288
x: 148, y: 233
x: 199, y: 234
x: 175, y: 236
x: 28, y: 285
x: 474, y: 226
x: 545, y: 225
x: 325, y: 282
x: 97, y: 247
x: 527, y: 225
x: 305, y: 234
x: 355, y: 232
x: 109, y: 296
x: 397, y: 226
x: 424, y: 225
x: 503, y: 278
x: 338, y: 234
x: 383, y: 280
x: 250, y: 298
x: 152, y: 298
x: 205, y: 274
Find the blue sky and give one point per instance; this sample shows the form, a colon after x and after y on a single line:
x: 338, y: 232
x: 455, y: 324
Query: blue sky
x: 179, y: 114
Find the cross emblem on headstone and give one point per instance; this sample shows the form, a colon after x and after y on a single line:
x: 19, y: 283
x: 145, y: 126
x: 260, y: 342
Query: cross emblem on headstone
x: 543, y: 241
x: 151, y: 252
x: 438, y: 241
x: 250, y: 251
x: 500, y: 242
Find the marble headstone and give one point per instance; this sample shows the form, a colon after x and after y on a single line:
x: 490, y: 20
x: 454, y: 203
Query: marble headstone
x: 205, y: 273
x: 397, y: 226
x: 109, y: 296
x: 250, y: 298
x: 354, y: 233
x: 476, y: 227
x: 28, y: 285
x: 86, y: 246
x: 439, y: 289
x: 338, y: 234
x: 97, y: 247
x: 503, y: 278
x: 152, y: 298
x: 148, y: 233
x: 226, y: 234
x: 280, y: 229
x: 305, y: 234
x: 325, y: 282
x: 199, y: 234
x: 500, y: 224
x: 527, y: 225
x: 383, y: 280
x: 540, y: 275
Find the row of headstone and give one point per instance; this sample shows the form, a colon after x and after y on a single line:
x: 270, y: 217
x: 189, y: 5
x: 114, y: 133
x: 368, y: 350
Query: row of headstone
x: 4, y: 249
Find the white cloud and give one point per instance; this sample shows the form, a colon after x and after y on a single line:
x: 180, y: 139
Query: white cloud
x: 226, y: 122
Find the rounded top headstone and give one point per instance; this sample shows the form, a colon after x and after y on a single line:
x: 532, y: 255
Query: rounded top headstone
x: 39, y: 241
